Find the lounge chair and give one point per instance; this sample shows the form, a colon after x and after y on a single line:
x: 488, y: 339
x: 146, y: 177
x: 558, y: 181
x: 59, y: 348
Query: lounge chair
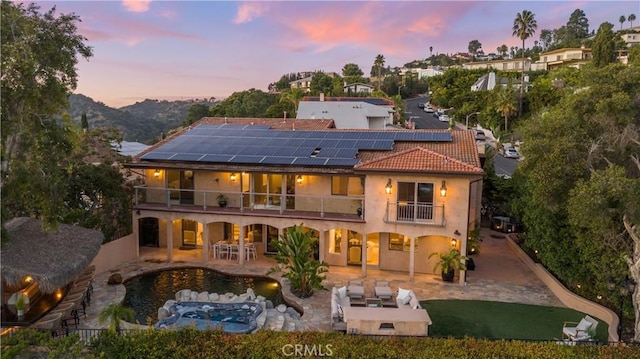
x: 355, y: 289
x: 382, y: 289
x: 579, y: 331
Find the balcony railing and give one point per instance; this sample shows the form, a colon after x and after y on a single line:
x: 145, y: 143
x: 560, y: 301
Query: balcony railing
x: 199, y: 200
x: 418, y: 213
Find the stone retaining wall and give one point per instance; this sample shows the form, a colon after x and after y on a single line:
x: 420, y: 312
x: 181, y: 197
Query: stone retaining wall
x: 566, y: 296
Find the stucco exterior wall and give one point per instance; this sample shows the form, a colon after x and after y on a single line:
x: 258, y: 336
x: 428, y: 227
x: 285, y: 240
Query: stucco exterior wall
x: 116, y: 252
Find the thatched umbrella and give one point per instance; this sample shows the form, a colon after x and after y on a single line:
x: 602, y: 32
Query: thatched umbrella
x: 52, y: 259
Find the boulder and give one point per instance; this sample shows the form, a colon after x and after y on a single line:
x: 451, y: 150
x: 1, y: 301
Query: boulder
x: 260, y: 299
x: 251, y: 293
x: 293, y: 313
x: 244, y: 297
x: 214, y: 297
x: 168, y: 304
x: 203, y: 297
x: 194, y: 296
x: 115, y: 278
x: 281, y: 308
x: 185, y: 295
x: 269, y: 304
x: 162, y: 313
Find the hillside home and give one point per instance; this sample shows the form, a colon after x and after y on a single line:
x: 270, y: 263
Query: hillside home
x: 568, y: 56
x: 500, y: 65
x: 375, y: 199
x: 303, y: 84
x: 632, y: 38
x: 357, y: 89
x: 348, y: 112
x: 489, y: 81
x: 428, y: 72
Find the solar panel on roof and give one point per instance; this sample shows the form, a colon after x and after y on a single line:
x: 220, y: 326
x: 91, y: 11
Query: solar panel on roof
x: 342, y: 162
x: 215, y: 158
x: 310, y: 161
x: 278, y: 160
x: 346, y: 153
x: 246, y: 159
x: 186, y: 157
x: 155, y: 155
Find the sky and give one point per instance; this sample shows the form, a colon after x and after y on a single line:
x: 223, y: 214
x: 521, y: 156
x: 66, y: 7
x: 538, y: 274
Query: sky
x: 171, y: 50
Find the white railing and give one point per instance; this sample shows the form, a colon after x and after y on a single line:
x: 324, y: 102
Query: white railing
x: 411, y: 212
x: 209, y: 200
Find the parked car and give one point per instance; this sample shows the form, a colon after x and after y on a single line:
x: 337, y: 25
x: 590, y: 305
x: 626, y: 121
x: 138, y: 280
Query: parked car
x: 479, y: 134
x: 505, y: 224
x: 438, y: 113
x: 428, y: 109
x: 444, y: 118
x: 510, y: 152
x: 420, y: 105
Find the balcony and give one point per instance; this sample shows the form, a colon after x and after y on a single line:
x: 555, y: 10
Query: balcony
x: 415, y: 213
x: 250, y: 203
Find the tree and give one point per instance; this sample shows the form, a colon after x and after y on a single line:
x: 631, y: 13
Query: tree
x: 84, y: 123
x: 577, y: 28
x: 379, y: 63
x: 249, y: 103
x: 321, y: 83
x: 622, y: 19
x: 604, y: 46
x: 39, y: 57
x: 631, y: 18
x: 524, y: 26
x: 292, y: 98
x: 195, y: 113
x: 546, y: 38
x: 505, y: 104
x: 352, y: 73
x: 114, y: 314
x: 295, y: 258
x: 474, y: 47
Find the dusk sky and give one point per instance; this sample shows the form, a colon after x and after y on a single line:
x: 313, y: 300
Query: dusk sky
x: 202, y: 49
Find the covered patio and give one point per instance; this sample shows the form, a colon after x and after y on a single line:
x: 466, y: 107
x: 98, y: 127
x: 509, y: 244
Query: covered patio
x: 42, y: 266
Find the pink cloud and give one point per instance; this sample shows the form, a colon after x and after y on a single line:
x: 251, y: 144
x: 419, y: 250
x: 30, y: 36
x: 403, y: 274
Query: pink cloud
x: 136, y: 5
x: 250, y: 10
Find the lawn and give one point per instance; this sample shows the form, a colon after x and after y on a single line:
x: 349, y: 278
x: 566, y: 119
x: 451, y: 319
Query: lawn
x: 498, y: 320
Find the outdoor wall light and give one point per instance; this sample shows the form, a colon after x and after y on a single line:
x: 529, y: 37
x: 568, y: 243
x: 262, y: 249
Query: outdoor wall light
x: 232, y: 177
x: 443, y: 189
x: 454, y: 242
x: 387, y: 188
x: 299, y: 179
x: 156, y: 173
x: 457, y: 232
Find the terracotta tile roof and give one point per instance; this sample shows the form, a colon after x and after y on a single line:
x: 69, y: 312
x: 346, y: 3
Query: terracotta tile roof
x: 273, y: 123
x: 462, y: 149
x: 419, y: 159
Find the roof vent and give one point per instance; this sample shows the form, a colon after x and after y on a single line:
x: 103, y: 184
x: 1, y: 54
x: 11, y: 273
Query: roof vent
x: 315, y: 152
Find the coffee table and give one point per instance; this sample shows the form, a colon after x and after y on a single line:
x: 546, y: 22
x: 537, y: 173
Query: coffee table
x: 373, y: 302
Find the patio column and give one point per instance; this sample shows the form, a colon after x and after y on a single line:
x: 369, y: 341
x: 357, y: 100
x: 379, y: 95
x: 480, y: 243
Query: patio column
x: 463, y: 249
x: 322, y: 242
x: 205, y: 242
x: 364, y: 256
x: 412, y: 258
x: 170, y: 240
x: 136, y: 233
x: 243, y: 233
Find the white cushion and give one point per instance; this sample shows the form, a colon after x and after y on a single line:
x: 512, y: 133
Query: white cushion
x: 406, y: 300
x: 340, y: 311
x: 417, y: 306
x: 403, y: 293
x: 342, y: 292
x: 583, y: 325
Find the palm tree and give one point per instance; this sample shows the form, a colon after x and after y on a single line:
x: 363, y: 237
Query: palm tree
x: 114, y: 314
x: 505, y: 105
x: 379, y: 63
x: 631, y: 18
x: 622, y: 20
x: 524, y: 26
x: 293, y: 97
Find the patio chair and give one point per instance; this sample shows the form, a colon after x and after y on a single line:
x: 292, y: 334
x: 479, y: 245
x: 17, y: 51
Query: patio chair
x: 234, y: 251
x: 579, y: 331
x: 355, y: 289
x: 382, y: 289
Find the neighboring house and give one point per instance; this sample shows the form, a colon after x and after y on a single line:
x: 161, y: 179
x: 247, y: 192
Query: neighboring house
x: 375, y: 199
x: 489, y: 81
x: 429, y: 72
x: 632, y: 38
x: 357, y: 88
x: 348, y: 112
x: 500, y: 65
x: 464, y: 56
x: 565, y: 57
x: 303, y: 84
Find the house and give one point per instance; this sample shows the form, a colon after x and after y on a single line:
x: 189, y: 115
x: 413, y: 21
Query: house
x: 375, y: 199
x: 631, y: 37
x: 489, y: 81
x: 348, y: 112
x: 568, y: 56
x: 429, y: 72
x: 357, y: 89
x: 303, y: 84
x: 500, y: 65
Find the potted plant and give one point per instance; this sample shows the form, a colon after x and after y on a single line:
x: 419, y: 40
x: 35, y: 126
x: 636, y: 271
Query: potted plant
x: 295, y: 258
x: 222, y: 200
x: 473, y: 241
x: 359, y: 212
x: 20, y: 304
x: 449, y: 262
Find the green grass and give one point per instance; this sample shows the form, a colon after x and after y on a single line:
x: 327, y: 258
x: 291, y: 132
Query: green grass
x: 498, y: 320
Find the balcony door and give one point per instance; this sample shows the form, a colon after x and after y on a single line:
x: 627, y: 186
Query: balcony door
x: 181, y: 183
x: 267, y: 189
x: 415, y: 201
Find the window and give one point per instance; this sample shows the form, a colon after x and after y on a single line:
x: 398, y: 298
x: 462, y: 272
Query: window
x: 415, y: 201
x: 399, y: 242
x: 347, y: 186
x: 335, y: 240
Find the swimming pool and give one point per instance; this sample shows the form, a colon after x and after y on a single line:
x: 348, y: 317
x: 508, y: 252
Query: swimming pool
x: 148, y: 292
x: 238, y: 318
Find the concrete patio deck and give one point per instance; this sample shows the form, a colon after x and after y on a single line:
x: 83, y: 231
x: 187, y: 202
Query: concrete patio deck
x: 499, y: 276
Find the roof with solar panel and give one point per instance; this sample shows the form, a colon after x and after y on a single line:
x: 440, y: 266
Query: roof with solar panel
x: 261, y: 145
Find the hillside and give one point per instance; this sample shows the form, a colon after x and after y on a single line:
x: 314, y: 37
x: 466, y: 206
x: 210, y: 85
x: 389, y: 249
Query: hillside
x: 141, y: 122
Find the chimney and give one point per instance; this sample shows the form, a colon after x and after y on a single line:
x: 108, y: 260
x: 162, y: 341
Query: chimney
x: 284, y: 120
x: 321, y: 96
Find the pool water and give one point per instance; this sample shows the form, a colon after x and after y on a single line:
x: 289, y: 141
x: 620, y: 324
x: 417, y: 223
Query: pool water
x: 230, y: 317
x: 148, y: 292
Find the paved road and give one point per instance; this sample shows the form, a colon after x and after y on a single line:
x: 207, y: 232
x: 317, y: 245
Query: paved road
x: 504, y: 166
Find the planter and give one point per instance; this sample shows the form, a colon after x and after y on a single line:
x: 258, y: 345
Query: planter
x: 20, y: 313
x: 359, y: 212
x: 297, y: 293
x: 222, y: 203
x: 471, y: 265
x: 448, y: 276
